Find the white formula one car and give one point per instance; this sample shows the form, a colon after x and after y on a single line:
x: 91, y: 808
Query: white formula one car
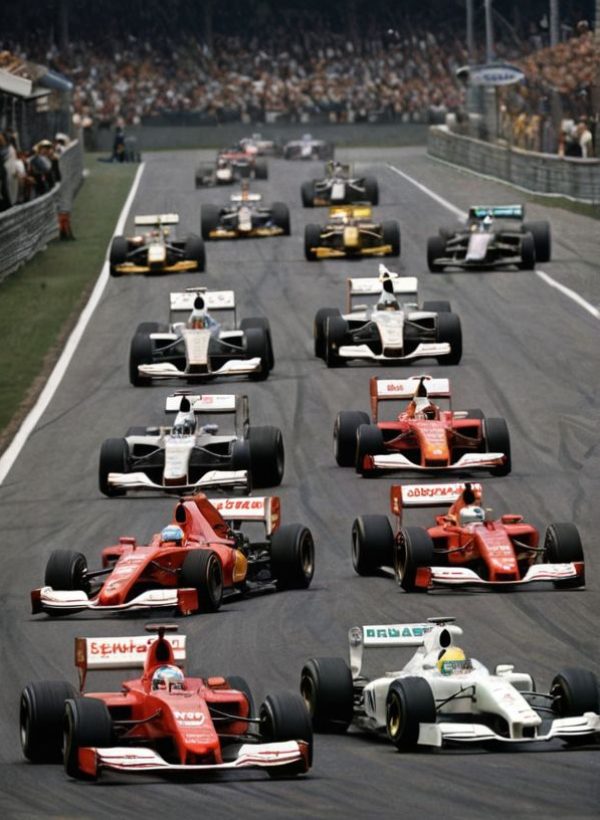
x: 177, y: 458
x: 440, y: 696
x: 156, y: 249
x: 196, y: 347
x: 389, y: 330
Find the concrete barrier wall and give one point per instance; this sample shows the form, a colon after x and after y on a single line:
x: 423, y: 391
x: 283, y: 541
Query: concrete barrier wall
x: 578, y: 179
x: 26, y: 229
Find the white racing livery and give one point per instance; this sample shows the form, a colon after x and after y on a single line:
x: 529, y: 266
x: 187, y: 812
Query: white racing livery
x: 192, y: 454
x: 441, y: 696
x: 393, y: 329
x: 195, y: 346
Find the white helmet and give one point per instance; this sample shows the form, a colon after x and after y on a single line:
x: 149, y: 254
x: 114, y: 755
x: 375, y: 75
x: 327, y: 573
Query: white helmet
x: 471, y: 515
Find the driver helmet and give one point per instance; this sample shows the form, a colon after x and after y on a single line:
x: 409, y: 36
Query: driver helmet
x: 424, y: 409
x: 471, y: 514
x: 167, y: 677
x: 487, y: 222
x: 172, y: 533
x: 453, y: 661
x: 185, y: 425
x: 198, y: 319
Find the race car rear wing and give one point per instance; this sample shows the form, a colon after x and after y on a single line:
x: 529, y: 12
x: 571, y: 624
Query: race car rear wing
x: 371, y: 286
x: 121, y: 653
x: 181, y: 303
x: 248, y: 197
x: 360, y: 211
x: 156, y: 219
x: 497, y: 211
x: 265, y: 509
x: 383, y: 389
x: 210, y: 403
x: 426, y: 495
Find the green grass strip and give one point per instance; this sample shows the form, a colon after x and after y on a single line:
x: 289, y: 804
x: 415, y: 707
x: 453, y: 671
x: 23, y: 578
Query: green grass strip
x: 40, y: 303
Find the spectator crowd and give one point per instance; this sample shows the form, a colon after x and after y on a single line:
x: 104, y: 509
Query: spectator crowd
x: 25, y: 175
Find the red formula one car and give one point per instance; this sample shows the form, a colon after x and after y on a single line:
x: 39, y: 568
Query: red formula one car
x: 423, y: 436
x: 201, y: 557
x: 163, y: 722
x: 466, y: 546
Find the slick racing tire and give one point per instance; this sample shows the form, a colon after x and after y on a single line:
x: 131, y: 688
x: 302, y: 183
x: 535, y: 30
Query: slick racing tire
x: 267, y: 457
x: 391, y: 236
x: 327, y: 690
x: 140, y: 352
x: 66, y: 570
x: 369, y: 442
x: 261, y: 322
x: 258, y: 346
x: 562, y: 545
x: 114, y: 458
x: 41, y: 713
x: 336, y: 335
x: 195, y: 252
x: 261, y: 169
x: 436, y: 249
x: 372, y: 544
x: 307, y: 192
x: 372, y: 191
x: 292, y: 551
x: 449, y: 330
x: 413, y: 549
x: 321, y: 317
x: 284, y: 716
x: 542, y: 239
x: 281, y: 217
x: 345, y: 430
x: 202, y: 570
x: 209, y: 220
x: 312, y: 240
x: 87, y: 722
x: 527, y: 253
x: 409, y: 703
x: 575, y: 691
x: 119, y: 249
x: 497, y: 440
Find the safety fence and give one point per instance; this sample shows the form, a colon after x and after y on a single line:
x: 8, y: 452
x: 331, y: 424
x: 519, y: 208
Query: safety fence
x: 578, y: 179
x: 27, y: 228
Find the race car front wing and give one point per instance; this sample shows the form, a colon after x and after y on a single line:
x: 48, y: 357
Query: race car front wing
x: 214, y: 479
x: 428, y: 577
x: 436, y: 734
x: 422, y: 350
x: 233, y: 367
x: 468, y: 461
x: 64, y: 602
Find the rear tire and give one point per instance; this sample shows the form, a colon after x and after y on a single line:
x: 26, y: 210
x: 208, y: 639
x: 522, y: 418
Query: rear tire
x: 114, y: 458
x: 257, y: 345
x: 372, y: 544
x: 267, y: 458
x: 328, y: 692
x: 202, y: 570
x: 41, y: 715
x: 307, y: 192
x: 562, y: 545
x: 292, y: 556
x: 414, y: 549
x: 281, y: 217
x: 436, y: 248
x: 409, y: 703
x: 449, y: 330
x: 542, y: 239
x: 261, y: 169
x: 345, y: 429
x: 369, y: 442
x: 497, y: 439
x: 574, y: 692
x: 527, y: 253
x: 195, y: 251
x: 372, y: 191
x: 391, y: 236
x: 87, y: 722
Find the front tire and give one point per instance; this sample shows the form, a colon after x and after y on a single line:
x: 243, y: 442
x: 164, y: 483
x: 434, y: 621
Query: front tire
x: 312, y: 240
x: 284, y: 717
x: 391, y: 236
x: 497, y: 440
x: 336, y: 335
x: 527, y: 253
x: 414, y: 549
x: 114, y: 458
x: 209, y: 220
x: 202, y: 570
x: 369, y: 442
x: 257, y: 346
x: 281, y: 217
x: 562, y: 545
x: 66, y: 570
x: 195, y: 251
x: 140, y: 352
x: 449, y: 330
x: 321, y: 317
x: 542, y: 239
x: 409, y: 703
x: 119, y: 249
x: 436, y: 248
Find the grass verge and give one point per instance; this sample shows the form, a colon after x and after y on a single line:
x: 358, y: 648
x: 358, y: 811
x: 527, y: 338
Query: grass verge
x: 40, y: 303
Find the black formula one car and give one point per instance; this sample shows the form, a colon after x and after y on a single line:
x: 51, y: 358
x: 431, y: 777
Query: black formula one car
x: 339, y: 187
x: 245, y: 217
x: 492, y: 237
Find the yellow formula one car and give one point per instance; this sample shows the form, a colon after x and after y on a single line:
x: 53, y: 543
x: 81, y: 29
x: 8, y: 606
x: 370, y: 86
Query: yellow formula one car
x: 155, y: 250
x: 351, y: 231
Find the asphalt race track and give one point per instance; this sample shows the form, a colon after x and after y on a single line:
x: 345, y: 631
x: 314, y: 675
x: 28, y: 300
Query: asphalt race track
x: 530, y: 355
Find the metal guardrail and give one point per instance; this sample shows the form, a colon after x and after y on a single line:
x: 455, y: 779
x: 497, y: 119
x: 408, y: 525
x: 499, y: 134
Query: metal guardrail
x: 578, y: 179
x: 27, y: 228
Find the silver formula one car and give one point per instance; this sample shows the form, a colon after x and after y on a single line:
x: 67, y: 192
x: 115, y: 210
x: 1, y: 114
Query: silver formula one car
x: 492, y: 237
x: 199, y: 348
x: 441, y: 696
x: 307, y: 148
x: 389, y: 330
x: 177, y: 458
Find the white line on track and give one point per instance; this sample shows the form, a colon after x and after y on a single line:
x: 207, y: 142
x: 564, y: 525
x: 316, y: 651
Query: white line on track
x: 545, y: 277
x: 12, y: 452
